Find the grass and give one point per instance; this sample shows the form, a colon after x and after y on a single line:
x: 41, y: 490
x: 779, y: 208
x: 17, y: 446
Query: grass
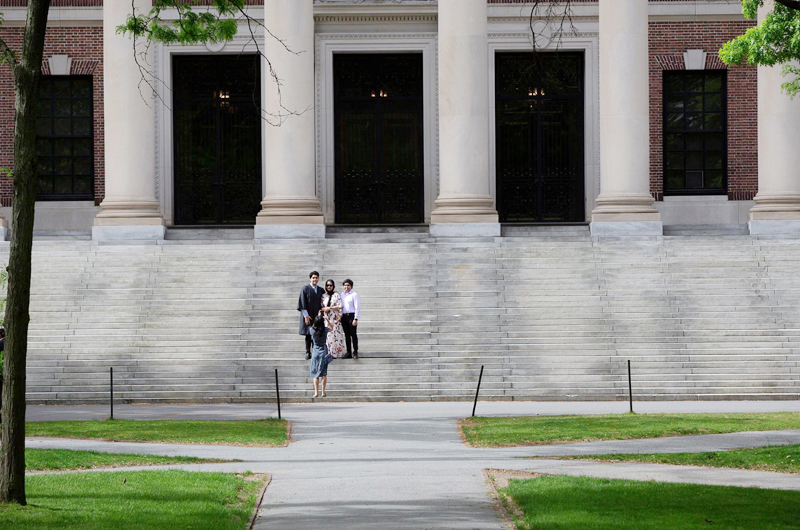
x: 268, y: 432
x: 152, y: 500
x: 581, y: 503
x: 543, y: 430
x: 781, y: 459
x: 60, y: 459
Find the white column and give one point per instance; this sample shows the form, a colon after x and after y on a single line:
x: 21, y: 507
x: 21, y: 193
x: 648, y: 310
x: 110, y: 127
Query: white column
x: 130, y: 209
x: 465, y: 206
x: 290, y: 208
x: 625, y: 206
x: 777, y: 209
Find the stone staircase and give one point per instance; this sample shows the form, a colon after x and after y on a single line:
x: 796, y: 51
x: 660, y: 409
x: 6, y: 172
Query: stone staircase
x: 550, y: 312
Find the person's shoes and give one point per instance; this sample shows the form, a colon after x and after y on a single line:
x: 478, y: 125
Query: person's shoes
x: 348, y: 356
x: 355, y: 355
x: 308, y: 356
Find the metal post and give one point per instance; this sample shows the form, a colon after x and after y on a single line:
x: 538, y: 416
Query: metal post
x: 278, y: 393
x: 111, y: 387
x: 475, y: 404
x: 630, y: 386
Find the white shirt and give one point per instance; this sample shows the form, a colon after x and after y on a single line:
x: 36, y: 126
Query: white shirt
x: 351, y: 303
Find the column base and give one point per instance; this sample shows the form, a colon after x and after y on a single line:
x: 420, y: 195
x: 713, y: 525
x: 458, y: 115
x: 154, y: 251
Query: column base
x: 626, y: 228
x: 774, y: 227
x: 465, y: 229
x: 289, y: 231
x: 129, y: 233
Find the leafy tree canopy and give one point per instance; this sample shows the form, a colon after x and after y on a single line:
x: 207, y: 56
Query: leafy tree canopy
x: 216, y: 22
x: 776, y: 40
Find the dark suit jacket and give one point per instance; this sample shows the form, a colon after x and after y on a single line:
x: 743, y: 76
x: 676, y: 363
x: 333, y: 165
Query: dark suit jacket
x: 310, y: 300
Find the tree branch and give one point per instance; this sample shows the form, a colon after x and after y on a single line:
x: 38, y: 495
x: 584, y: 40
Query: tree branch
x: 7, y: 55
x: 791, y: 4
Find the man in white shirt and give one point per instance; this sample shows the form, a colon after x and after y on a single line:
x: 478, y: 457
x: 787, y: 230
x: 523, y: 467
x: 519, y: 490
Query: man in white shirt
x: 351, y: 309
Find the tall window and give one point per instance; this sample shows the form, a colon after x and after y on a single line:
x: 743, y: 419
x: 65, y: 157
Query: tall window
x: 64, y: 138
x: 695, y: 138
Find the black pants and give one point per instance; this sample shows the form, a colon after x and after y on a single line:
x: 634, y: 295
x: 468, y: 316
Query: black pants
x: 309, y: 343
x: 350, y: 332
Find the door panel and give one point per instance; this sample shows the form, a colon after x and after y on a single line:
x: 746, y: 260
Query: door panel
x: 379, y: 175
x: 539, y: 133
x: 217, y: 139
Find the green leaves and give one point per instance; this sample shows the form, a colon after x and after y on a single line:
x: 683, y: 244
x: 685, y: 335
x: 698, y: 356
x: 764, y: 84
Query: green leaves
x: 776, y: 40
x: 213, y: 24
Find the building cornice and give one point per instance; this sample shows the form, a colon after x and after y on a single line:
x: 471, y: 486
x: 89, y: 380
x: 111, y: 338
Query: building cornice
x: 422, y: 12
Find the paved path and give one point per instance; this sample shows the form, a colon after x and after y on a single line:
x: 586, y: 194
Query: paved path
x: 403, y: 466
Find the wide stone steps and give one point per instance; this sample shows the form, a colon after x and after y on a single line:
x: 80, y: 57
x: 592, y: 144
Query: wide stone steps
x: 549, y: 311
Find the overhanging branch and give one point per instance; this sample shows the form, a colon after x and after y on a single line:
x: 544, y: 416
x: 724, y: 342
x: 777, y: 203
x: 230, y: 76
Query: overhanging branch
x: 8, y: 55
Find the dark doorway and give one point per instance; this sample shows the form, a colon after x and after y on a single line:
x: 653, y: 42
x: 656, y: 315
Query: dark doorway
x: 379, y: 176
x: 540, y: 158
x: 217, y: 139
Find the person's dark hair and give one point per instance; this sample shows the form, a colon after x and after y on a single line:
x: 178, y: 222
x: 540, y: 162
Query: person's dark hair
x: 318, y: 325
x: 330, y: 296
x: 348, y: 280
x: 2, y: 332
x: 313, y: 273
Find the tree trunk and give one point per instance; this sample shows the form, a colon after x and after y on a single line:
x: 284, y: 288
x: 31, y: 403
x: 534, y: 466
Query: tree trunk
x: 27, y: 74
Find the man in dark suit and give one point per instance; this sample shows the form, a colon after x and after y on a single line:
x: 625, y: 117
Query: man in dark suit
x: 309, y: 305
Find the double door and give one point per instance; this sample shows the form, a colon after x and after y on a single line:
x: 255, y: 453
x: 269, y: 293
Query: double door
x: 379, y: 163
x: 217, y: 139
x: 540, y: 140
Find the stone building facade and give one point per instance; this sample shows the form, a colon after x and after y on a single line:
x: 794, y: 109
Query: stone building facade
x: 410, y: 112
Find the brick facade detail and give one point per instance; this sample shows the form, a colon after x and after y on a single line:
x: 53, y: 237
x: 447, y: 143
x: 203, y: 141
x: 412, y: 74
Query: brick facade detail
x: 85, y: 46
x: 668, y: 42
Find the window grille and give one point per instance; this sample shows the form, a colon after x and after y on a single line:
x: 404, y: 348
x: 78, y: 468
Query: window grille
x: 65, y: 138
x: 695, y: 132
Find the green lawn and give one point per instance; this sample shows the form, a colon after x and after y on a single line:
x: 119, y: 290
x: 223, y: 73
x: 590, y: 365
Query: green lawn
x: 541, y: 430
x: 152, y: 500
x: 782, y: 459
x: 58, y: 459
x: 580, y: 503
x: 268, y: 432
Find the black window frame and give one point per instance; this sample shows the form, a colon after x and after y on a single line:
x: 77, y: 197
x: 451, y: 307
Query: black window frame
x: 48, y: 81
x: 701, y: 132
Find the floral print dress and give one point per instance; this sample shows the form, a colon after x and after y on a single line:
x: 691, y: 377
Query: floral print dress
x: 333, y: 321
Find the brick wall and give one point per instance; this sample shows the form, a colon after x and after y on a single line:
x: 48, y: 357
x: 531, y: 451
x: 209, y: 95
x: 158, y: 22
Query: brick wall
x: 668, y: 41
x: 85, y: 46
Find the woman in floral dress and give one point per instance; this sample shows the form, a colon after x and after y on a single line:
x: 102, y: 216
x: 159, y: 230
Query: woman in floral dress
x: 332, y: 308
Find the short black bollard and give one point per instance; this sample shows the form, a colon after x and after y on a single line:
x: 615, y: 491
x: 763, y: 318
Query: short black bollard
x: 278, y: 393
x: 630, y: 386
x: 111, y: 389
x: 475, y: 404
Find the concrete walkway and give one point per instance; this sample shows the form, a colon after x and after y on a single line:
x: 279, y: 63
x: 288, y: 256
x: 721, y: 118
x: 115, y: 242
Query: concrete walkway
x: 403, y: 466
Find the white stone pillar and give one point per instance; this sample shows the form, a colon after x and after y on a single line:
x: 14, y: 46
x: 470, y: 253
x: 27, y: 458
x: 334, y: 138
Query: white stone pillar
x: 291, y: 208
x: 777, y: 209
x: 130, y: 209
x: 465, y: 206
x: 625, y: 206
